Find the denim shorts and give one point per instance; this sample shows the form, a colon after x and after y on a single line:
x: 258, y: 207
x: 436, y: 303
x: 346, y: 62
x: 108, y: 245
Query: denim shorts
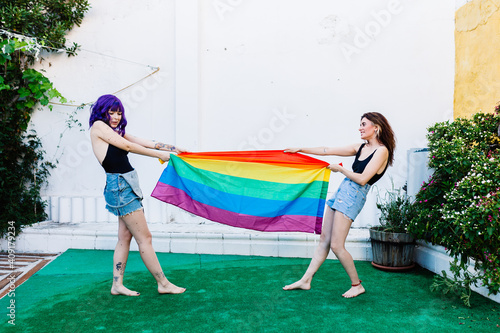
x: 349, y: 199
x: 122, y: 193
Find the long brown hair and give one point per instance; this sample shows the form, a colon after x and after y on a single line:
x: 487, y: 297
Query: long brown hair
x: 385, y: 133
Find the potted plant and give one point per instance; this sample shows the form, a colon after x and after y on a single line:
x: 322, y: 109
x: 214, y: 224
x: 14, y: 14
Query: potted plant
x: 392, y: 245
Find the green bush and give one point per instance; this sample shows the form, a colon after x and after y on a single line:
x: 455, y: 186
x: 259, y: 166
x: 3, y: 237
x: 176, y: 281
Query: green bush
x: 459, y: 207
x: 28, y: 28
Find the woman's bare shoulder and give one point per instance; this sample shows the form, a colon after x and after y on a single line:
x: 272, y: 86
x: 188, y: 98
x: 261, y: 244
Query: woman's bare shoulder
x: 99, y: 127
x: 383, y: 149
x: 98, y: 124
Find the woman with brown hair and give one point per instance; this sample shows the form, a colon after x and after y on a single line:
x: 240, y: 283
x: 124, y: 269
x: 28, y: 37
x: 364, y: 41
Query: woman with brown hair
x: 371, y: 161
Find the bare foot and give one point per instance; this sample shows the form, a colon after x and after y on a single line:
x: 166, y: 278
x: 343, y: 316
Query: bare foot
x: 299, y: 285
x: 354, y: 291
x: 121, y: 290
x: 170, y: 288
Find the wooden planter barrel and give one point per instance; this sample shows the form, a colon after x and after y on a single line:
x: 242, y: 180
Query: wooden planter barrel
x: 392, y: 250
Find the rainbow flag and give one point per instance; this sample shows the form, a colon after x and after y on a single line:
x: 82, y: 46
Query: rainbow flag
x: 261, y: 190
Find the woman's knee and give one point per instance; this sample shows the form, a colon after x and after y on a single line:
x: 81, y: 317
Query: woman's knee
x: 125, y: 236
x: 144, y: 238
x: 324, y: 241
x: 337, y: 247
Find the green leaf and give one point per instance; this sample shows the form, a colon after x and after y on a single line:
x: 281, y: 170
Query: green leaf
x: 8, y: 48
x: 23, y: 92
x: 44, y: 101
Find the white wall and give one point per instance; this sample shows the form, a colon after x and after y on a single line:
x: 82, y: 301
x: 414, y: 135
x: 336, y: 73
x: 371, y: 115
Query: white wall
x: 251, y: 74
x: 119, y: 39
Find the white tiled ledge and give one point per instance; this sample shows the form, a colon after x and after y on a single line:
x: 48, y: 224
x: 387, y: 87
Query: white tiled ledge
x: 435, y: 259
x: 50, y: 237
x: 76, y: 209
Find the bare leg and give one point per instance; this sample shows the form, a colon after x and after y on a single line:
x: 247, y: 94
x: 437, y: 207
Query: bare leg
x: 319, y: 256
x: 120, y: 261
x: 340, y: 230
x: 136, y: 224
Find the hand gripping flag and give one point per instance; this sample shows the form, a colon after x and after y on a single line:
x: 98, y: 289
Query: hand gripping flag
x: 261, y: 190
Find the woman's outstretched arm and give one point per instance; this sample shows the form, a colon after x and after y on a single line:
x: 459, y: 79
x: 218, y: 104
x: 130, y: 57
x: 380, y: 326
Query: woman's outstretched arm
x: 153, y: 144
x: 102, y: 131
x: 323, y: 151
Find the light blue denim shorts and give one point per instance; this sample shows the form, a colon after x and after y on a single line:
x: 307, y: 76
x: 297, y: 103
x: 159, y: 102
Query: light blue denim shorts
x: 349, y: 199
x: 122, y: 193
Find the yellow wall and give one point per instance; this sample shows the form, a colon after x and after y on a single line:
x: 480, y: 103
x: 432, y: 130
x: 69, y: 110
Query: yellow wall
x: 477, y: 47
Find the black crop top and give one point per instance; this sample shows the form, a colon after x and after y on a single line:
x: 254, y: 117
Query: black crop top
x: 359, y: 166
x: 116, y: 161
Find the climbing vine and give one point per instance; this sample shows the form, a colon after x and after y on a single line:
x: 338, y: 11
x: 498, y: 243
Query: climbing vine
x: 28, y: 30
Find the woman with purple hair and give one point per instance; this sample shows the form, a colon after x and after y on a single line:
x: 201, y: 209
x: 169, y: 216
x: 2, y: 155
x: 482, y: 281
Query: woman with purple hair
x: 123, y: 195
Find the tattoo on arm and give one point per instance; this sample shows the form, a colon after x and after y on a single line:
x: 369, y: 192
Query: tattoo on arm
x: 163, y: 146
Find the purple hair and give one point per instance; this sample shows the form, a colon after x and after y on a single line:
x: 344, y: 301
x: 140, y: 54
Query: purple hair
x: 99, y: 111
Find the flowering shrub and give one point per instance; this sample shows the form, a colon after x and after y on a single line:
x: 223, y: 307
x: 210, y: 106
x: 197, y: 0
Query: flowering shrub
x: 459, y: 207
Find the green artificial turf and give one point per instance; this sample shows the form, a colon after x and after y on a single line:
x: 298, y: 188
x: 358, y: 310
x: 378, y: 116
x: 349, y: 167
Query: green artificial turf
x: 235, y: 294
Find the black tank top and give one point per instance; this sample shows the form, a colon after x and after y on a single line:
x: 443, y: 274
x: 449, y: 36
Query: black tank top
x: 359, y: 166
x: 116, y: 161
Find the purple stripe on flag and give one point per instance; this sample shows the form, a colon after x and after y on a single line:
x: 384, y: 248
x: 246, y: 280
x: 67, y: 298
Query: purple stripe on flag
x: 179, y: 198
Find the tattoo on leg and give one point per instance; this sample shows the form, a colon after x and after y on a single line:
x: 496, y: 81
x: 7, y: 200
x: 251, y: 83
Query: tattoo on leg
x: 119, y: 266
x: 115, y: 278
